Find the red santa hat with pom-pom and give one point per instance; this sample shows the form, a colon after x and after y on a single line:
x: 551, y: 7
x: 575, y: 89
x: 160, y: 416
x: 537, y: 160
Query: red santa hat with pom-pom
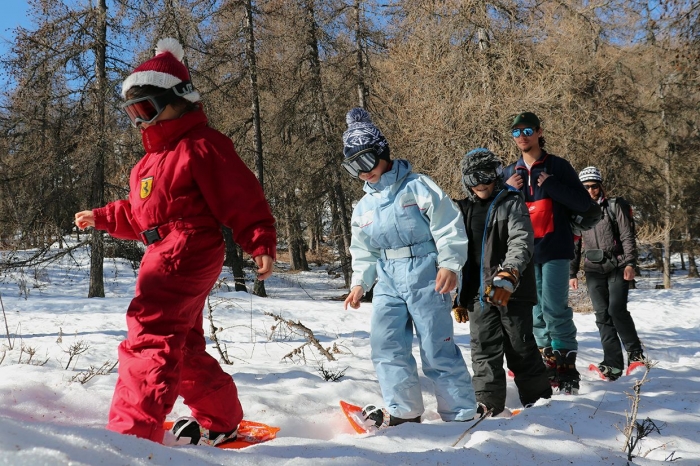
x: 164, y: 70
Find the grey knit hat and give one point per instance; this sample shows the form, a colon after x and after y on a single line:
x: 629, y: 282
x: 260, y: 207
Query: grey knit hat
x: 362, y: 134
x: 590, y: 174
x: 480, y: 160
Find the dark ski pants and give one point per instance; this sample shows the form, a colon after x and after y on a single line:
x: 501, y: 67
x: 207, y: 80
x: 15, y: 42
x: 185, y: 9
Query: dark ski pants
x: 498, y: 331
x: 608, y: 293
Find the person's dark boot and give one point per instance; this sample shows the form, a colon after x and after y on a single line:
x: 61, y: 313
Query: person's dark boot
x: 569, y: 378
x: 550, y: 363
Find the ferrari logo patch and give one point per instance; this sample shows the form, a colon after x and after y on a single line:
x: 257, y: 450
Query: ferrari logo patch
x: 146, y: 187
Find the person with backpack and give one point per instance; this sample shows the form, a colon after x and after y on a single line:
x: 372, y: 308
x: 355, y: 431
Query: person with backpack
x: 498, y: 290
x: 552, y: 191
x: 408, y: 236
x: 609, y: 253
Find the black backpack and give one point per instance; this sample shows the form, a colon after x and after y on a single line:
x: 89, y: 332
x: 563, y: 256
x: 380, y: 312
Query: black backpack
x: 621, y: 203
x: 582, y: 220
x: 585, y: 220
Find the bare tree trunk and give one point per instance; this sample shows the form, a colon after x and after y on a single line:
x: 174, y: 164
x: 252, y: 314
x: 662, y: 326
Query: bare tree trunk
x: 258, y: 286
x: 97, y: 288
x: 234, y: 260
x: 667, y: 202
x: 336, y: 235
x: 297, y: 246
x: 692, y: 265
x: 315, y: 231
x: 343, y: 218
x: 657, y: 251
x: 362, y: 90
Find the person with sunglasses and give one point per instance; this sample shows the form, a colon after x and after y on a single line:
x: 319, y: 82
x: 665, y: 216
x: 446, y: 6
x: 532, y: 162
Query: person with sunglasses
x: 189, y: 183
x: 498, y: 290
x: 552, y: 190
x: 408, y: 237
x: 609, y: 253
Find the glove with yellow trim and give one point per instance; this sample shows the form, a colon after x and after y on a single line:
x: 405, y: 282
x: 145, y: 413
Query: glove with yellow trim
x: 461, y: 314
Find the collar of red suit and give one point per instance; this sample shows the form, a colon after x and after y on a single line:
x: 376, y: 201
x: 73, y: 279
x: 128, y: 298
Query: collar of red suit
x: 164, y: 134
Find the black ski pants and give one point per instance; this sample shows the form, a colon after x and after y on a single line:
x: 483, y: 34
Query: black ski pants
x: 608, y: 293
x: 498, y: 331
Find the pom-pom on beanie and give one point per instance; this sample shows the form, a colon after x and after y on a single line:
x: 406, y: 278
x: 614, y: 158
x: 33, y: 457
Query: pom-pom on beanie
x: 164, y: 70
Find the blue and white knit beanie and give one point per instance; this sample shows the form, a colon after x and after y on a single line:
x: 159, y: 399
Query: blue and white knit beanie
x: 362, y: 134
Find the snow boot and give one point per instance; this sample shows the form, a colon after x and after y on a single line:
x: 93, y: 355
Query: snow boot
x: 568, y: 376
x: 550, y: 362
x: 529, y: 400
x: 382, y: 419
x: 187, y: 431
x: 486, y: 408
x: 609, y: 372
x: 636, y: 356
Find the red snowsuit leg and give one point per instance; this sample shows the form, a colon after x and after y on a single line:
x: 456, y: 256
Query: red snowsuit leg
x: 164, y: 354
x: 207, y: 390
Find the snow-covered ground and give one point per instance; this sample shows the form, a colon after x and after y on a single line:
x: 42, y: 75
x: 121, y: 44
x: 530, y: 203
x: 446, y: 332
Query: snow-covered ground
x: 47, y: 416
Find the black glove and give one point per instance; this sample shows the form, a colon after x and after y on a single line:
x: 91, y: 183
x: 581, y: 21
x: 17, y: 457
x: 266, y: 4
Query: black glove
x: 504, y: 283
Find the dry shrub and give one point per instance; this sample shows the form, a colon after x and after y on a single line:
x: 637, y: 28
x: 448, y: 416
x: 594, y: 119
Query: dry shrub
x: 579, y: 300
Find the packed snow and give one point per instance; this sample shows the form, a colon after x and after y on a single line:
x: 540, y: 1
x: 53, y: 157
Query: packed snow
x: 54, y: 405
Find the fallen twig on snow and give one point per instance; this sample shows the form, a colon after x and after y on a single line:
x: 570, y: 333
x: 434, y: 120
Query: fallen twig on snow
x: 299, y: 328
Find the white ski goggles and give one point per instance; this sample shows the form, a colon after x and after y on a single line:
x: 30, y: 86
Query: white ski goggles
x: 363, y: 161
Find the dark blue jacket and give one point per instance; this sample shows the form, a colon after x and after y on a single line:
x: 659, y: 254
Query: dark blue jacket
x: 550, y: 204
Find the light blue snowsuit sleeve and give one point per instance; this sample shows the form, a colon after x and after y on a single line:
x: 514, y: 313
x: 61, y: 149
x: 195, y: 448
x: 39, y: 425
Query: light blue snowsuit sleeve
x: 446, y: 225
x: 364, y: 255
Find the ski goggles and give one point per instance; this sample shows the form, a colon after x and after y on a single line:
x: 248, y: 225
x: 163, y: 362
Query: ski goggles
x: 363, y: 161
x: 147, y: 109
x: 481, y: 177
x: 527, y: 132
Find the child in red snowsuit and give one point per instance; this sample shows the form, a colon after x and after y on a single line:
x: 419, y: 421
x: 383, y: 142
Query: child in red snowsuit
x: 190, y: 182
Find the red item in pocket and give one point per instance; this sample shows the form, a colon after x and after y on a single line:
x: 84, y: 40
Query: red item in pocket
x: 542, y: 216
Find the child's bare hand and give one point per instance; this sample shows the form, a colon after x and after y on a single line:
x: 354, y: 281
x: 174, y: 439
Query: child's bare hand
x: 265, y: 264
x: 353, y: 298
x: 446, y: 281
x: 85, y: 219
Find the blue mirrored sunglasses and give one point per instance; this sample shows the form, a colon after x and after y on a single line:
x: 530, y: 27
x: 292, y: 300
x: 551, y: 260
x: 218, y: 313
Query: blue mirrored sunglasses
x: 527, y: 132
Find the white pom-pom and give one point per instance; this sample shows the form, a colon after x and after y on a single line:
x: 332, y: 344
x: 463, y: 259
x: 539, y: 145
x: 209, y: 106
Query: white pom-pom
x: 358, y: 115
x: 170, y: 45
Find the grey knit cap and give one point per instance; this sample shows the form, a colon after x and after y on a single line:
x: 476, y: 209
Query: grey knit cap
x: 590, y: 174
x: 481, y: 160
x: 362, y: 133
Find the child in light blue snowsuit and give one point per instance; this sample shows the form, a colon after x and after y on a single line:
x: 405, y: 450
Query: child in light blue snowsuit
x: 408, y: 236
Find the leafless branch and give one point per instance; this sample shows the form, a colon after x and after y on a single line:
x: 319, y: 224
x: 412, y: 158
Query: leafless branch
x: 300, y: 329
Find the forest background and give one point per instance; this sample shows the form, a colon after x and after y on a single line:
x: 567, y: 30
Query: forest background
x: 615, y: 83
